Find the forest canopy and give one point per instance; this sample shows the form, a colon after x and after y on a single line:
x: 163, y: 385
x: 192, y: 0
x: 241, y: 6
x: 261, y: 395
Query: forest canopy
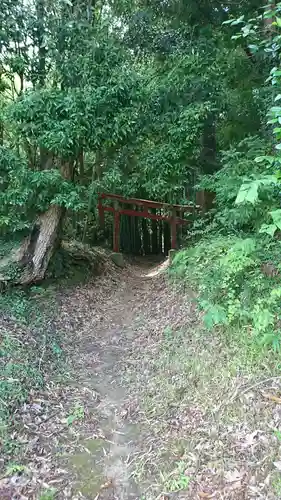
x: 139, y: 98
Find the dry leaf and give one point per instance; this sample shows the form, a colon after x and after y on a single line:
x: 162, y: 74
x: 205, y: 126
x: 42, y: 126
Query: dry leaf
x: 277, y: 465
x: 233, y: 476
x: 250, y: 439
x: 106, y: 485
x: 276, y: 399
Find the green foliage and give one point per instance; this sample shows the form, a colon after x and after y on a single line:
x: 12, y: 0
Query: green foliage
x: 76, y: 414
x: 249, y: 191
x: 184, y: 100
x: 177, y: 480
x: 237, y: 275
x: 14, y: 469
x: 252, y: 190
x: 26, y: 192
x: 238, y: 184
x: 78, y: 96
x: 238, y: 283
x: 48, y: 494
x: 17, y: 377
x: 134, y: 98
x: 28, y: 350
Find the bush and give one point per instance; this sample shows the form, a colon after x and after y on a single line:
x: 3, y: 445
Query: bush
x: 29, y: 352
x: 239, y: 165
x: 238, y: 283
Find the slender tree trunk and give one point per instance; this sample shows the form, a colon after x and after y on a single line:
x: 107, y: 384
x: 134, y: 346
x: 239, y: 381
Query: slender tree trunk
x: 154, y: 236
x: 1, y: 133
x: 160, y: 236
x: 209, y: 153
x: 167, y: 237
x: 40, y: 12
x: 268, y: 21
x: 146, y: 237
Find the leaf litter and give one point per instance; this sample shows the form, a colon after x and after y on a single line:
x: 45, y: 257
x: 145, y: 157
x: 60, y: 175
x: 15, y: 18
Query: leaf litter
x: 153, y: 407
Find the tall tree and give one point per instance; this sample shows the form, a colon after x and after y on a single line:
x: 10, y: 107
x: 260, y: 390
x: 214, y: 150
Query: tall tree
x: 82, y: 89
x: 137, y: 96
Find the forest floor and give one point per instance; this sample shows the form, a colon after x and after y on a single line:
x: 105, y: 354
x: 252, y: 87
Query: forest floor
x: 153, y: 406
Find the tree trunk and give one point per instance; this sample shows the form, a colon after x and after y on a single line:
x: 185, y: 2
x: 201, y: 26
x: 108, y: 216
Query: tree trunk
x: 37, y: 249
x: 31, y: 260
x: 40, y: 31
x: 268, y: 21
x: 28, y: 264
x: 167, y: 237
x: 145, y: 237
x: 1, y: 133
x: 154, y: 236
x: 209, y: 154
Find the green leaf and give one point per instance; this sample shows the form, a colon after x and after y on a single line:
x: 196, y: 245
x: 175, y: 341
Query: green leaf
x: 14, y: 469
x: 229, y: 21
x: 260, y: 159
x: 56, y: 348
x: 254, y: 48
x: 263, y: 319
x: 276, y: 109
x: 238, y: 21
x: 268, y: 229
x: 277, y: 433
x: 276, y: 292
x: 276, y: 217
x: 271, y: 339
x: 249, y: 190
x: 269, y: 159
x: 248, y: 193
x: 276, y: 344
x: 215, y: 315
x: 70, y: 419
x: 246, y: 30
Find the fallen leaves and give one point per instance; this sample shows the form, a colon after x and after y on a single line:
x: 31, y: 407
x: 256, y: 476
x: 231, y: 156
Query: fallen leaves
x: 106, y: 485
x: 277, y: 465
x: 203, y: 494
x: 115, y: 330
x: 272, y: 397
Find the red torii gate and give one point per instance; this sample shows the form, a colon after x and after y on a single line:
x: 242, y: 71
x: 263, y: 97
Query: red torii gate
x: 118, y: 210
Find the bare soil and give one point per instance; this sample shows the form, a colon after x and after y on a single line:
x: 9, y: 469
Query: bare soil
x: 154, y: 407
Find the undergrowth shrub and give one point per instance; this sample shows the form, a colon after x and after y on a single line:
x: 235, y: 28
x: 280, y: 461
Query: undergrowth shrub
x: 239, y: 164
x: 235, y: 267
x: 30, y: 343
x: 238, y: 283
x: 19, y: 374
x: 29, y: 352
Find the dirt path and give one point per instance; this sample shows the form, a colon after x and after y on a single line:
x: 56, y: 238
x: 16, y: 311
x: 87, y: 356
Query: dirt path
x: 176, y: 416
x: 104, y: 348
x: 155, y: 407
